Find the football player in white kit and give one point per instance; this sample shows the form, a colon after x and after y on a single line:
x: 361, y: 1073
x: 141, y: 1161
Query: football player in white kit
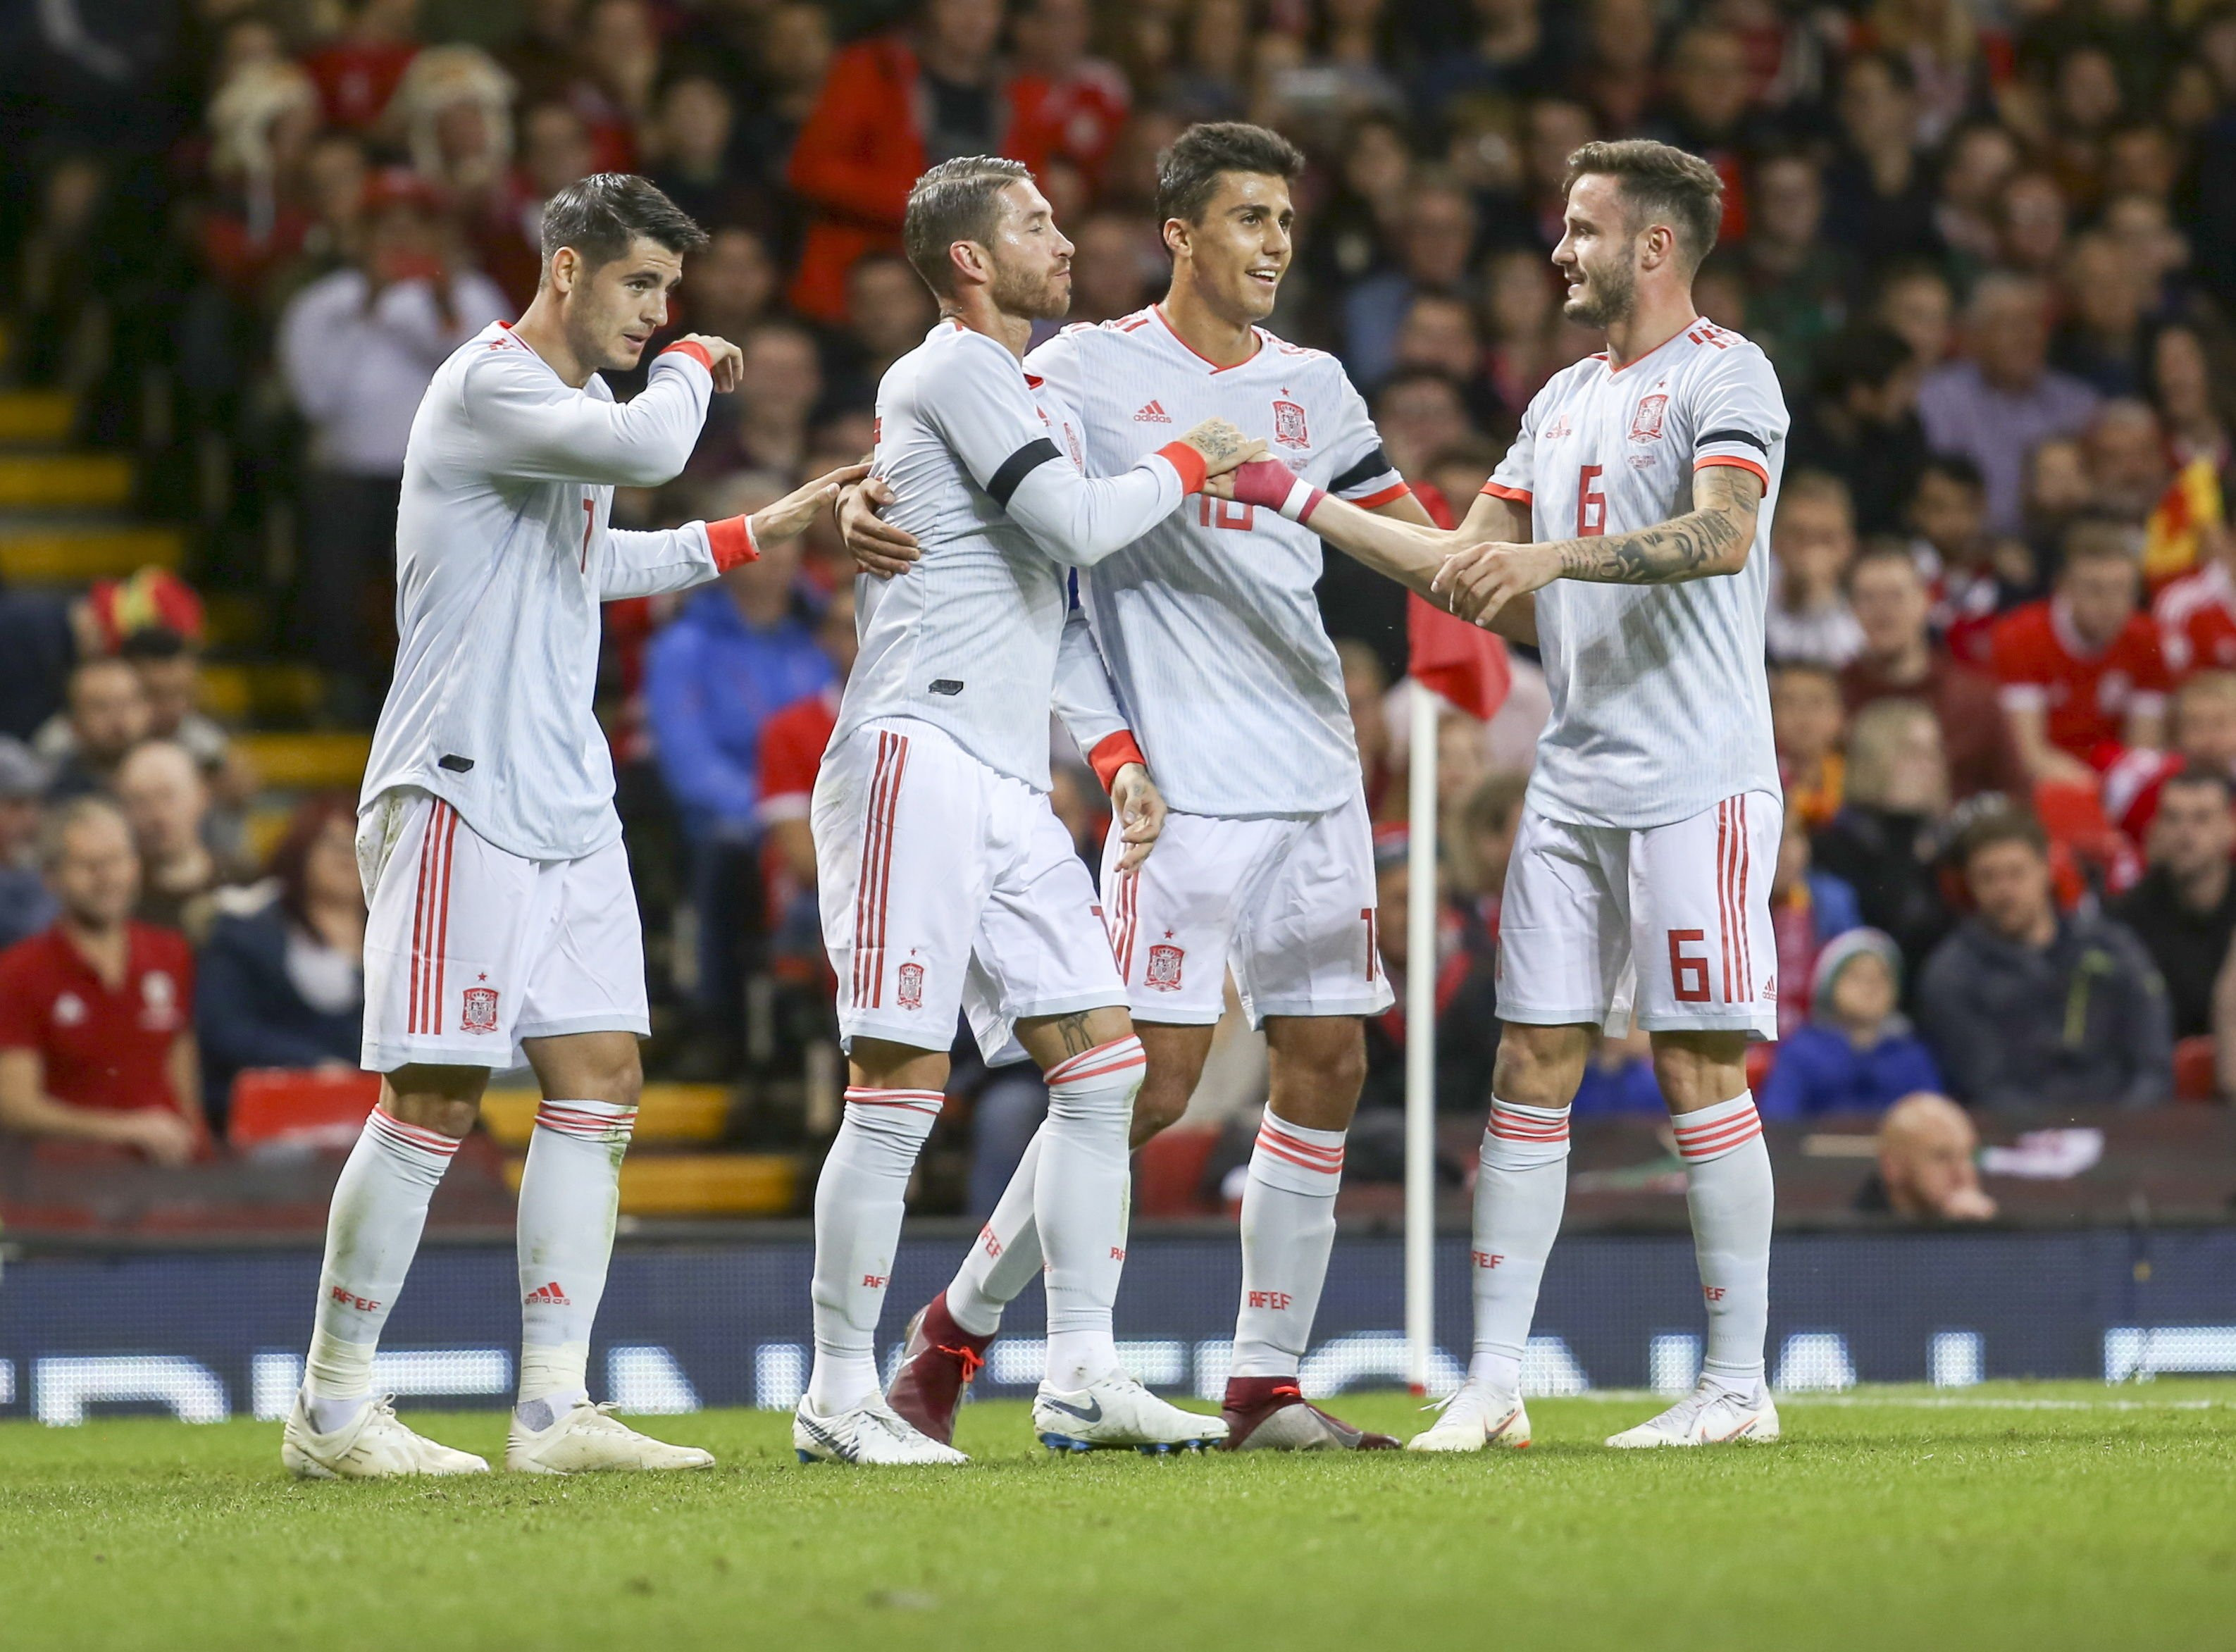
x: 502, y: 919
x: 1221, y: 672
x: 1628, y: 529
x: 948, y: 883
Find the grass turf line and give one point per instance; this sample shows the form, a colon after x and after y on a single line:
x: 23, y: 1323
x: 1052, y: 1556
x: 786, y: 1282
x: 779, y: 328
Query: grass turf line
x: 1880, y: 1522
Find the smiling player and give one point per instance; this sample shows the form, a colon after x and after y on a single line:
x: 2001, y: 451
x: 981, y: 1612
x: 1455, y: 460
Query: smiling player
x: 1220, y: 672
x: 1628, y: 527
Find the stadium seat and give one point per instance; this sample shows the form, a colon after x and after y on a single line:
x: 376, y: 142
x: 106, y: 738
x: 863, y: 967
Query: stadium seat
x: 2196, y: 1076
x: 299, y: 1107
x: 1168, y: 1172
x: 700, y: 1184
x: 664, y: 1113
x: 308, y: 762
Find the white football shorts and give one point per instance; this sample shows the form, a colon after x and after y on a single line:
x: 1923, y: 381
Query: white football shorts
x: 470, y: 948
x: 1287, y: 902
x: 1670, y: 923
x: 948, y: 887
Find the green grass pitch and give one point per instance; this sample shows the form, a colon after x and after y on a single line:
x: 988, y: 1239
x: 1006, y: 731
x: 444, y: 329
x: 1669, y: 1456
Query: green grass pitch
x: 2041, y: 1517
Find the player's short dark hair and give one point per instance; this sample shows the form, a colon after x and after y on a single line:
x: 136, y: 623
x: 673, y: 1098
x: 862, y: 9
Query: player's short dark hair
x: 956, y: 200
x: 1658, y: 180
x: 599, y: 217
x: 1188, y: 172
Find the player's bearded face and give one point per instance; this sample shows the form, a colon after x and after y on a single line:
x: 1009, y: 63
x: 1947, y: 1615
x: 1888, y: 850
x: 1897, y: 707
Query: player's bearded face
x: 1598, y: 255
x: 1031, y: 259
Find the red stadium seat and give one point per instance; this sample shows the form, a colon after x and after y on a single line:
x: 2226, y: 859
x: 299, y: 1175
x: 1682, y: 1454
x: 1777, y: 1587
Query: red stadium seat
x: 2195, y: 1076
x: 301, y: 1107
x: 2073, y: 814
x: 1168, y: 1172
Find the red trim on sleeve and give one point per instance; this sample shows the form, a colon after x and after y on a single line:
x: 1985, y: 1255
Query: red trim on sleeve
x: 732, y: 542
x: 1111, y: 754
x: 1382, y: 496
x: 1707, y: 460
x: 1188, y: 463
x: 696, y: 351
x: 1498, y: 490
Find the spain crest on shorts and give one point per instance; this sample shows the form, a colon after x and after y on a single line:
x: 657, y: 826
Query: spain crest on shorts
x: 1289, y: 425
x: 477, y: 1012
x: 1646, y: 423
x: 1165, y: 968
x: 911, y: 986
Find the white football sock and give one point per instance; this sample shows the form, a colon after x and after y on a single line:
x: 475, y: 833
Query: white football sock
x: 860, y: 1198
x: 570, y: 1201
x: 1079, y: 1193
x: 1728, y: 1187
x: 1521, y: 1186
x: 1006, y: 1254
x: 372, y: 1233
x: 1288, y: 1228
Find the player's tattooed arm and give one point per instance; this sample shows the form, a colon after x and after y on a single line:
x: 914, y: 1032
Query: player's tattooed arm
x: 1712, y: 538
x: 1222, y: 445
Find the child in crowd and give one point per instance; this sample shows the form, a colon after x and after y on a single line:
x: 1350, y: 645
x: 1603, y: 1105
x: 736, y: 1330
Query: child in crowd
x: 1858, y: 1055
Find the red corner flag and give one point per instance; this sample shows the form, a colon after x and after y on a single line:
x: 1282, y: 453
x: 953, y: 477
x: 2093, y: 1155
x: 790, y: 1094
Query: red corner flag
x: 1466, y: 665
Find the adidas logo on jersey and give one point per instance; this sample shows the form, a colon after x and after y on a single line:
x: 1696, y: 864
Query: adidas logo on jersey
x: 1153, y: 413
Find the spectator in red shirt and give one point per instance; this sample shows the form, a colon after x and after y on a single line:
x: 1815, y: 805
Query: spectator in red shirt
x: 1071, y: 107
x: 2196, y: 614
x: 2082, y: 673
x: 893, y: 105
x: 358, y: 72
x: 96, y: 1040
x: 1900, y: 660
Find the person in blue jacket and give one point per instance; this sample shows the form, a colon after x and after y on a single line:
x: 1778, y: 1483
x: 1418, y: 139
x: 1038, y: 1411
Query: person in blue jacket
x: 282, y: 984
x: 741, y: 650
x: 1858, y: 1053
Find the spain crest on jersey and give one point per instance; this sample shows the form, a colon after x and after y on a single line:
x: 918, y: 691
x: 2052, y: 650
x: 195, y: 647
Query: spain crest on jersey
x: 1646, y: 423
x: 477, y: 1012
x: 1165, y: 966
x: 911, y: 986
x: 1289, y: 425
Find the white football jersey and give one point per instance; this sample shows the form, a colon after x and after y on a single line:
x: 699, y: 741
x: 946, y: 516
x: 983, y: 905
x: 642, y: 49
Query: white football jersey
x: 503, y: 555
x: 1208, y: 624
x: 967, y: 639
x: 1661, y: 704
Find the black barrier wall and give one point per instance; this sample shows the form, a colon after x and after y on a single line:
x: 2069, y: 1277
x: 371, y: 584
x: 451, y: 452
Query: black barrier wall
x: 211, y: 1335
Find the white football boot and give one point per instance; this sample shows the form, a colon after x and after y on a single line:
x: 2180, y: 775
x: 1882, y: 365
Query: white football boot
x: 590, y: 1439
x: 1476, y: 1415
x: 1708, y: 1416
x: 373, y: 1445
x: 1113, y: 1412
x: 871, y: 1431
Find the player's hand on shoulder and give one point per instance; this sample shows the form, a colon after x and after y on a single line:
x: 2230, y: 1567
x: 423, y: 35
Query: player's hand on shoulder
x: 1483, y: 578
x: 1139, y: 808
x: 1222, y: 445
x: 724, y: 359
x: 876, y: 545
x: 791, y: 515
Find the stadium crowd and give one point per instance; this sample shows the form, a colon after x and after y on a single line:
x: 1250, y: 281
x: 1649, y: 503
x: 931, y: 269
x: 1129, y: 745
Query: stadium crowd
x: 1990, y: 246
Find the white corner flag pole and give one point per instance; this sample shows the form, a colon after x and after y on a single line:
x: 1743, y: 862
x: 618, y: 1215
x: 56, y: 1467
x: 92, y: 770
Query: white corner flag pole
x: 1421, y: 1043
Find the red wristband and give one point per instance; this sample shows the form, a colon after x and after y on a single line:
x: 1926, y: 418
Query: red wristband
x: 1188, y: 463
x: 732, y: 542
x: 1112, y: 753
x: 696, y: 352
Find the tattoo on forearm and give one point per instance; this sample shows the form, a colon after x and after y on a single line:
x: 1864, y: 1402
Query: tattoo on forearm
x: 1687, y: 547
